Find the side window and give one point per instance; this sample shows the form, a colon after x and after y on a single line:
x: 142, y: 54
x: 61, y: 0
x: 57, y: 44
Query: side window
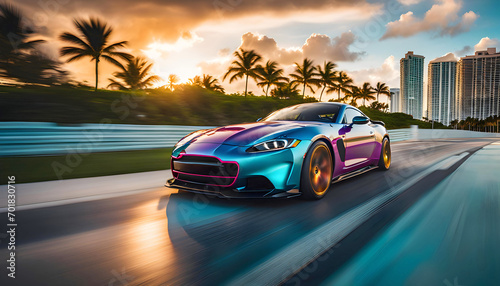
x: 350, y: 114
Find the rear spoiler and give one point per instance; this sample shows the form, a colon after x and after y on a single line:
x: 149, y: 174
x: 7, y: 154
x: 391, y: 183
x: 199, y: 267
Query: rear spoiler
x: 377, y: 122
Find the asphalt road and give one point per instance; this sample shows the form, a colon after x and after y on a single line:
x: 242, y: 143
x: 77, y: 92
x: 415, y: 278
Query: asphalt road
x: 163, y: 237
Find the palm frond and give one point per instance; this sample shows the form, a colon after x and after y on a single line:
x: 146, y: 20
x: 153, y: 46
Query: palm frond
x: 116, y: 84
x: 236, y: 76
x: 68, y: 37
x: 76, y: 57
x: 125, y: 56
x: 113, y: 61
x: 69, y: 51
x: 111, y: 48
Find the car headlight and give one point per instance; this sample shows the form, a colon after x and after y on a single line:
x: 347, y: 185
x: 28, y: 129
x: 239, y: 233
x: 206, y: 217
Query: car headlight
x: 273, y: 145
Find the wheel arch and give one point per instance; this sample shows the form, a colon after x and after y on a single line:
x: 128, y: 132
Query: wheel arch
x: 328, y: 143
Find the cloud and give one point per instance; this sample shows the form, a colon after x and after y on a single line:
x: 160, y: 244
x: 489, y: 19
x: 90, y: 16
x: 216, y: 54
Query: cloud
x: 187, y: 40
x: 482, y: 45
x: 388, y: 72
x: 443, y: 18
x: 461, y: 27
x: 409, y: 2
x: 322, y: 47
x: 464, y: 51
x: 269, y: 49
x: 485, y: 43
x: 317, y: 47
x: 449, y: 57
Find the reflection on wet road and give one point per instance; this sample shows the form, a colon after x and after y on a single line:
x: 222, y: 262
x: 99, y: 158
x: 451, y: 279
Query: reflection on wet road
x: 175, y: 238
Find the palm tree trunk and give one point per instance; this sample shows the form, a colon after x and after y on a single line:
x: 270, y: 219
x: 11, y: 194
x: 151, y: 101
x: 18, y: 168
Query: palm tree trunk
x: 321, y: 94
x: 267, y: 90
x: 377, y: 96
x: 96, y: 73
x: 339, y: 93
x: 246, y: 86
x: 304, y: 91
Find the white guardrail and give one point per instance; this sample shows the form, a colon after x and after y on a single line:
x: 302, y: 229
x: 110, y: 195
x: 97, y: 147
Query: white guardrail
x: 44, y: 138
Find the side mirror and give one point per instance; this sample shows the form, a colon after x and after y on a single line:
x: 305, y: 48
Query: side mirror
x: 258, y: 119
x: 360, y: 120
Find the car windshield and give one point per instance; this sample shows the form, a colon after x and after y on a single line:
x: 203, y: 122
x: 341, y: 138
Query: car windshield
x: 323, y: 112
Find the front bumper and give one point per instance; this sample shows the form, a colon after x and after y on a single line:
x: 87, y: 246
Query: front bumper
x: 228, y: 192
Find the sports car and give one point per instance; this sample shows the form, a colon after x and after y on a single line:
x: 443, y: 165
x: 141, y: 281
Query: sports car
x: 297, y: 150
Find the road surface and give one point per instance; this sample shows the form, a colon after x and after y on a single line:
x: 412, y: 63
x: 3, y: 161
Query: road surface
x: 165, y: 237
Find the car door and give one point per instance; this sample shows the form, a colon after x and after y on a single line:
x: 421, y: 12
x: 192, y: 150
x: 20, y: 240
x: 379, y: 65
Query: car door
x: 359, y: 138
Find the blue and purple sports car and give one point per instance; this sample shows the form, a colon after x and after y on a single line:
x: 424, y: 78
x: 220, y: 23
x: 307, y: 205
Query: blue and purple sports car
x: 298, y: 150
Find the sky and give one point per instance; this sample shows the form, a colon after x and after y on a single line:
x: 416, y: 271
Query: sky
x: 365, y: 38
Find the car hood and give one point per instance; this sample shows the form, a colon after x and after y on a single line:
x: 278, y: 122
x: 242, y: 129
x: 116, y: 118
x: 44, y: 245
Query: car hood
x: 249, y: 133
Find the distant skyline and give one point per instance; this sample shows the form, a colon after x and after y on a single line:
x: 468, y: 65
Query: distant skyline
x: 366, y: 38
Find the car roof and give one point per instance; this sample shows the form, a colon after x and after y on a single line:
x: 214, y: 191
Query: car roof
x: 342, y: 106
x: 325, y: 103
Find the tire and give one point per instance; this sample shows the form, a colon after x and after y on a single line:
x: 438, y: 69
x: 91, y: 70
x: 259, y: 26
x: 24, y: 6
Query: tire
x: 317, y: 172
x: 384, y: 161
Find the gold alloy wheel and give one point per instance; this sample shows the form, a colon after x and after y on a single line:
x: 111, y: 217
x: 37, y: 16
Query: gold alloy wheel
x: 387, y: 154
x: 320, y: 170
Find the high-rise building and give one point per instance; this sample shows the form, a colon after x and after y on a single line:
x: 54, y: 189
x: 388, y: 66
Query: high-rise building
x: 478, y: 85
x: 441, y: 95
x: 412, y: 84
x: 395, y: 100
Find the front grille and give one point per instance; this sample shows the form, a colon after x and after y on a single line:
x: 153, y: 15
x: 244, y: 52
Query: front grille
x: 204, y: 170
x: 206, y: 180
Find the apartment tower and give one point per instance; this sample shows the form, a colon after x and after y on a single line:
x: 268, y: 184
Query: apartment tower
x: 478, y: 85
x: 412, y: 84
x: 441, y: 95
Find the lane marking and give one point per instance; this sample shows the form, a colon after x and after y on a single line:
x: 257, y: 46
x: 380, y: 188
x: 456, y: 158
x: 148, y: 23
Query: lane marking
x: 292, y: 258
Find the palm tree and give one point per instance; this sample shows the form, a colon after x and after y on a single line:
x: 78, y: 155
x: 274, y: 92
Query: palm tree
x: 134, y: 75
x: 172, y: 80
x: 14, y: 34
x: 19, y: 58
x: 270, y: 75
x: 342, y: 84
x: 286, y: 90
x: 454, y: 123
x: 245, y: 65
x: 475, y: 123
x: 496, y: 120
x: 304, y: 75
x: 327, y: 76
x: 381, y: 88
x: 354, y: 94
x: 195, y: 81
x: 379, y: 106
x: 468, y: 121
x: 92, y: 42
x: 366, y: 93
x: 211, y: 83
